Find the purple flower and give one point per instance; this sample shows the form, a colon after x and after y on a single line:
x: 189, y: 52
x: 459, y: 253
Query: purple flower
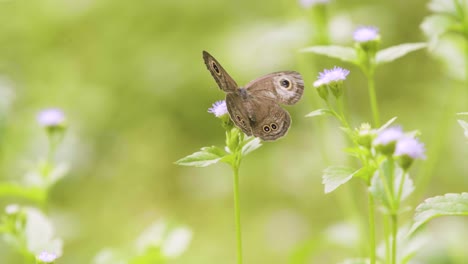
x: 47, y: 257
x: 411, y: 147
x: 219, y: 108
x: 310, y: 3
x: 366, y: 33
x: 389, y: 135
x: 51, y: 117
x: 336, y: 74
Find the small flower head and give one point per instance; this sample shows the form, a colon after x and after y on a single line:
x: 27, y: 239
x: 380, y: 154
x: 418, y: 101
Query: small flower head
x: 365, y: 135
x: 52, y: 117
x: 46, y: 257
x: 367, y: 40
x: 310, y: 3
x: 409, y: 149
x: 332, y: 79
x: 334, y: 75
x: 386, y: 140
x: 219, y: 108
x: 366, y: 34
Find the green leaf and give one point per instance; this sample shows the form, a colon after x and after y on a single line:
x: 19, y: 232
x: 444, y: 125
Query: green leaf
x: 379, y: 191
x: 251, y: 145
x: 319, y: 112
x: 338, y: 52
x: 434, y: 26
x: 333, y: 177
x: 203, y: 158
x: 395, y: 52
x: 464, y: 125
x: 450, y: 204
x: 40, y: 234
x: 32, y: 193
x: 365, y: 172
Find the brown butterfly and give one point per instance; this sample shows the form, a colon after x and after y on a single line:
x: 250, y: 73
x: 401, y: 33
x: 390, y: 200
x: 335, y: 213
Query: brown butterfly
x: 255, y: 108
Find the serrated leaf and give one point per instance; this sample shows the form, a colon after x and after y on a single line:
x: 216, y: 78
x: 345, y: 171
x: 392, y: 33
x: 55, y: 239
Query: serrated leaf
x: 436, y: 25
x: 250, y: 146
x: 335, y: 176
x: 203, y: 158
x: 450, y: 204
x: 319, y: 112
x: 395, y: 52
x: 338, y: 52
x: 365, y: 172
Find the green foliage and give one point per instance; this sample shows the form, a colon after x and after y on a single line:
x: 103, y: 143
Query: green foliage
x: 450, y: 204
x: 333, y: 177
x: 203, y: 158
x: 392, y: 53
x: 338, y: 52
x: 319, y: 112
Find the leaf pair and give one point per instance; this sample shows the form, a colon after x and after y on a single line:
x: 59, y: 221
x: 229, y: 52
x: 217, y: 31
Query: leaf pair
x: 349, y: 54
x: 211, y: 155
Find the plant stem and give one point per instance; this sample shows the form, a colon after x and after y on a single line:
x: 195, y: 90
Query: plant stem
x: 237, y: 213
x: 373, y: 98
x: 371, y: 227
x: 394, y: 237
x: 400, y: 189
x: 386, y: 225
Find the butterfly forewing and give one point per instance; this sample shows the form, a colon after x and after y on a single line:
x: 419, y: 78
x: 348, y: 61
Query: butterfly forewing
x: 224, y: 80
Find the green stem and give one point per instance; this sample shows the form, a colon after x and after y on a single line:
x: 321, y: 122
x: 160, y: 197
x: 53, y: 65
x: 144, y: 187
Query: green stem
x: 371, y: 227
x: 386, y: 224
x: 391, y: 176
x: 394, y: 237
x: 387, y: 190
x: 400, y: 189
x: 373, y: 98
x: 237, y: 213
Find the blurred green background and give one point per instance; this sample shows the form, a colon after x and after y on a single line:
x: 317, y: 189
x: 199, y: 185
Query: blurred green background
x: 131, y: 79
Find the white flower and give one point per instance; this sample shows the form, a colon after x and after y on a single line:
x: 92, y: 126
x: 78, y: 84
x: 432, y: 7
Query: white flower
x: 47, y: 257
x: 51, y: 117
x: 336, y: 74
x: 219, y: 108
x: 366, y: 33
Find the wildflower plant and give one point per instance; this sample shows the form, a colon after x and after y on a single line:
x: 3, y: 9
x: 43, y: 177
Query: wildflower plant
x: 237, y: 146
x: 447, y: 25
x: 26, y: 228
x: 385, y: 155
x: 367, y: 56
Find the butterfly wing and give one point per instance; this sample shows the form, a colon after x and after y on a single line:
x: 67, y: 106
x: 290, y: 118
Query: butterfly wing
x: 225, y: 82
x: 284, y: 87
x: 239, y: 112
x: 269, y: 121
